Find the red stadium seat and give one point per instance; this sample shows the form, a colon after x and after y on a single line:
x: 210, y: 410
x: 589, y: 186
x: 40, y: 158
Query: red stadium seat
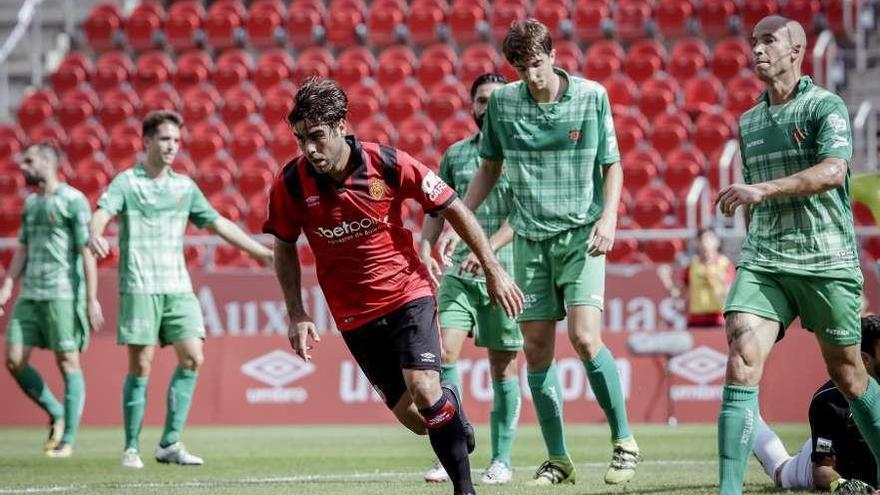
x: 589, y: 20
x: 213, y: 181
x: 90, y: 182
x: 256, y: 216
x: 728, y: 64
x: 11, y: 184
x: 640, y: 166
x: 216, y: 163
x: 342, y: 22
x: 152, y: 69
x: 416, y: 134
x: 753, y: 11
x: 642, y: 66
x: 275, y: 65
x: 713, y: 130
x: 663, y: 250
x: 75, y: 69
x: 437, y: 62
x: 464, y: 20
x: 224, y: 23
x: 36, y: 108
x: 445, y: 100
x: 364, y: 100
x: 599, y: 69
x: 605, y: 49
x: 376, y: 130
x: 630, y: 18
x: 278, y: 102
x: 111, y: 69
x: 715, y: 16
x: 630, y: 128
x: 264, y: 22
x: 353, y: 65
x: 651, y: 205
x: 425, y: 17
x: 396, y: 63
x: 455, y: 129
x: 314, y: 61
x: 673, y: 17
x: 11, y: 140
x: 122, y: 151
x: 160, y: 98
x: 656, y: 100
x: 842, y: 20
x: 430, y: 158
x: 384, y: 20
x: 184, y: 19
x: 742, y: 93
x: 407, y: 101
x: 143, y: 26
x: 872, y: 247
x: 230, y: 204
x: 503, y: 14
x: 735, y: 44
x: 668, y: 136
x: 701, y: 93
x: 197, y: 110
x: 802, y: 11
x: 194, y: 255
x: 552, y: 14
x: 623, y: 249
x: 261, y: 162
x: 254, y: 181
x: 304, y: 18
x: 569, y: 56
x: 621, y: 90
x: 681, y: 174
x: 101, y: 26
x: 688, y: 57
x: 248, y: 138
x: 284, y: 146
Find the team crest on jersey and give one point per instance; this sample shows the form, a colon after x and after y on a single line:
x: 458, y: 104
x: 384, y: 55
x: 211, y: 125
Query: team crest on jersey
x: 377, y: 189
x: 836, y: 122
x: 574, y: 135
x: 798, y: 135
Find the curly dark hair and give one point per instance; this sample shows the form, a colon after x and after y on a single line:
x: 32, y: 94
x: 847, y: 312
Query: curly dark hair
x: 870, y: 333
x: 526, y: 40
x: 489, y: 77
x: 319, y: 101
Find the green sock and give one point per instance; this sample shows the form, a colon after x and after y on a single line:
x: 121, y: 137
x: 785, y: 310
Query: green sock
x: 180, y: 394
x: 134, y: 403
x: 504, y: 417
x: 605, y: 381
x: 547, y: 396
x: 74, y: 400
x: 33, y: 385
x: 737, y: 425
x: 449, y: 374
x: 866, y: 414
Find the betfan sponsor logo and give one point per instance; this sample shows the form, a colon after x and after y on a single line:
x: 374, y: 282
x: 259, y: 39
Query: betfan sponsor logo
x: 277, y: 369
x: 348, y: 229
x: 701, y: 366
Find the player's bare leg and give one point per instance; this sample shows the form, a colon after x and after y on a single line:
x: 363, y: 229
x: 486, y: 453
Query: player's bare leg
x: 585, y: 333
x: 452, y: 437
x: 74, y: 400
x: 17, y: 362
x: 190, y: 356
x: 453, y: 341
x: 750, y: 338
x: 539, y: 345
x: 504, y: 415
x: 134, y: 401
x: 847, y: 371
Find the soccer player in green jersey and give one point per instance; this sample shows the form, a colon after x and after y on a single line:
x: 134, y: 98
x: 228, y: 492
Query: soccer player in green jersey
x: 800, y: 257
x: 59, y: 288
x: 554, y: 135
x: 463, y: 301
x: 156, y: 300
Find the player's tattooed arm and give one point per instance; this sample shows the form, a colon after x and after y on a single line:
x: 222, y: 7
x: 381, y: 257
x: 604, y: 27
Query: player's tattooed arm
x: 98, y: 244
x: 289, y: 273
x: 16, y: 268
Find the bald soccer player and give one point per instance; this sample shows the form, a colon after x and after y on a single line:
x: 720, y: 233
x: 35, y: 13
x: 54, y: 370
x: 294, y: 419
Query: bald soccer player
x: 800, y: 257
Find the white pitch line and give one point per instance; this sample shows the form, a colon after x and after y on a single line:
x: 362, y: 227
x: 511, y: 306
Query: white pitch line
x: 294, y: 479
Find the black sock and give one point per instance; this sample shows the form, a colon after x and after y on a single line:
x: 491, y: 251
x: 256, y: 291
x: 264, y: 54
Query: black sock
x: 448, y: 439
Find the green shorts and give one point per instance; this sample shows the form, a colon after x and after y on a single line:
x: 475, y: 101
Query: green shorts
x: 57, y: 325
x: 463, y: 304
x: 557, y: 273
x: 828, y: 307
x: 150, y: 319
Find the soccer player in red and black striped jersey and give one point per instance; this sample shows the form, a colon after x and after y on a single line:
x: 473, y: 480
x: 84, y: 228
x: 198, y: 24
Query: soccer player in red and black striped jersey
x: 347, y: 197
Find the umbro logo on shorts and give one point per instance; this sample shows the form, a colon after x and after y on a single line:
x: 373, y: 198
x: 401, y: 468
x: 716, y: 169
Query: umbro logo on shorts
x: 427, y: 357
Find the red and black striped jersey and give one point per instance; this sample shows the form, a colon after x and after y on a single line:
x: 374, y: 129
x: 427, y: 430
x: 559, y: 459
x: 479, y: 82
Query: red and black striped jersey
x: 366, y: 261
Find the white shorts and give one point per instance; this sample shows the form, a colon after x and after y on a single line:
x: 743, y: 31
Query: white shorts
x: 797, y: 472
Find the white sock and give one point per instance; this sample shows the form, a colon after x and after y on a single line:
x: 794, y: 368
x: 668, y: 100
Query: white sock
x: 769, y: 450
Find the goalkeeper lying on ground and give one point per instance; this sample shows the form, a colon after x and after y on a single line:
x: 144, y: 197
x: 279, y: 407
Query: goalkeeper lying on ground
x: 836, y: 458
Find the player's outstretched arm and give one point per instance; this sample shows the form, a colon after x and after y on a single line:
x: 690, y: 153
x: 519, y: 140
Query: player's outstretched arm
x: 98, y: 244
x: 431, y: 227
x: 601, y: 238
x: 289, y: 273
x: 93, y: 306
x: 16, y: 268
x: 828, y: 174
x: 233, y: 234
x: 502, y: 290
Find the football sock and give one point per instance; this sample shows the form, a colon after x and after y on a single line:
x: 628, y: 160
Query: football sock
x: 737, y: 425
x: 180, y: 394
x: 74, y: 400
x: 866, y: 414
x: 449, y: 374
x: 33, y: 385
x: 447, y: 435
x: 134, y: 403
x: 504, y: 417
x: 769, y: 449
x: 605, y: 382
x: 547, y: 397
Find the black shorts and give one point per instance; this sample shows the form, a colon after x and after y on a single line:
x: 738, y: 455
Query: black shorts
x: 407, y: 338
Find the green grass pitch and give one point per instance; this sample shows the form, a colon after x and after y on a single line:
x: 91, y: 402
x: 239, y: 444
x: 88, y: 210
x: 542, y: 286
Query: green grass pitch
x: 347, y: 460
